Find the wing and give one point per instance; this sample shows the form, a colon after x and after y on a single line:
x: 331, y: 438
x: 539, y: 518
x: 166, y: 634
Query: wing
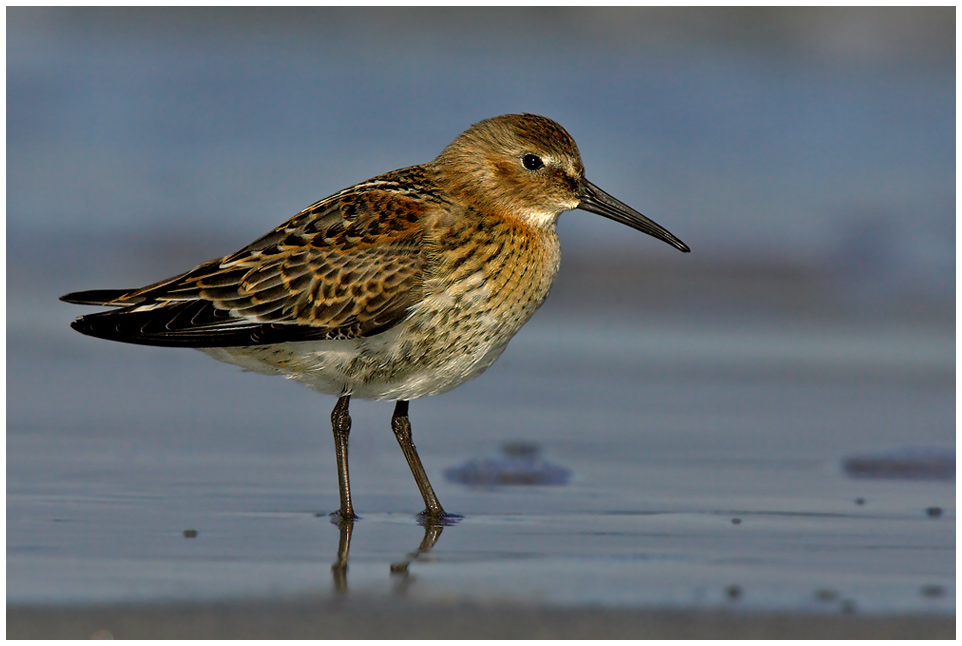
x: 348, y: 266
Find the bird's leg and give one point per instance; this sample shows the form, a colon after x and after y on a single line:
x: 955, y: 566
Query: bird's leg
x: 341, y: 423
x: 401, y: 426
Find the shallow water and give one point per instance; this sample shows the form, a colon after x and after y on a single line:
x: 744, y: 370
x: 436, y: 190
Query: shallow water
x: 706, y: 459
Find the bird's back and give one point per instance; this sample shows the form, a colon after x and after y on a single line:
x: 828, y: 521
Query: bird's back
x: 348, y: 266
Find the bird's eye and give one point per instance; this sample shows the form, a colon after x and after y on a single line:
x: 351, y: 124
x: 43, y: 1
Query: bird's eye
x: 532, y: 162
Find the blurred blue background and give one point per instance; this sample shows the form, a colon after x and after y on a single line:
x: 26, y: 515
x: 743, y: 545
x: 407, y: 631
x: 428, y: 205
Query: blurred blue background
x: 818, y: 141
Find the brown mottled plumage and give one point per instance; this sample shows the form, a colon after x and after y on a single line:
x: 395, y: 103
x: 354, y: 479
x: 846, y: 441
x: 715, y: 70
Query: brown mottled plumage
x: 399, y: 287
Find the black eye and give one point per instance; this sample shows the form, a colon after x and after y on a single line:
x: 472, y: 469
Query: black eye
x: 532, y: 162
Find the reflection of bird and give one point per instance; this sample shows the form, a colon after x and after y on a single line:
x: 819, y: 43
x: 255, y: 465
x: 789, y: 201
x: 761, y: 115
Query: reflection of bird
x: 402, y: 286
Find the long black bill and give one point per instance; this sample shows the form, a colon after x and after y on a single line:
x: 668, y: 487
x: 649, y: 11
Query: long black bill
x: 595, y: 200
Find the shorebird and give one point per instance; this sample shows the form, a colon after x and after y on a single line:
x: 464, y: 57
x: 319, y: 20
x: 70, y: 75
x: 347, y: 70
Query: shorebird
x: 403, y: 286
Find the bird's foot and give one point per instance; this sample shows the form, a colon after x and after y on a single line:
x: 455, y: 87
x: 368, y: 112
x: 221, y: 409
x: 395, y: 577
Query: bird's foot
x: 439, y: 518
x: 340, y: 517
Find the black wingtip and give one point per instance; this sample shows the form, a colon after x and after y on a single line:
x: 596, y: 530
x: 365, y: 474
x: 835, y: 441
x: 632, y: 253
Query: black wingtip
x: 72, y: 297
x: 95, y: 296
x: 78, y: 324
x: 89, y: 328
x: 175, y: 326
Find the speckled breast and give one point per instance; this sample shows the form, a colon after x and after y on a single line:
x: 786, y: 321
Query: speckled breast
x: 486, y: 280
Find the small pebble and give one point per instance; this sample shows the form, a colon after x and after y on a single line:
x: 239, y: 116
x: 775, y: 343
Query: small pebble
x: 190, y: 533
x: 733, y: 592
x: 860, y: 501
x: 736, y: 521
x: 934, y: 512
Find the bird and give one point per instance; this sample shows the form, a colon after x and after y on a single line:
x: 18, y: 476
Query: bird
x: 402, y: 286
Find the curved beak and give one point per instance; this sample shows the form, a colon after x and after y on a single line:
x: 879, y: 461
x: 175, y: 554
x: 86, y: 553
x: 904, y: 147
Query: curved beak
x: 595, y: 200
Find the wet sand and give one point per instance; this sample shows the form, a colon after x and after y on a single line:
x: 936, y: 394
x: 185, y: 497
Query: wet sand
x: 387, y: 619
x: 707, y: 496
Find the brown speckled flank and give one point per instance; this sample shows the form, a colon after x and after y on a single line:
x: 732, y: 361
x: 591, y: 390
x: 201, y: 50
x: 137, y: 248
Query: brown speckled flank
x: 399, y: 287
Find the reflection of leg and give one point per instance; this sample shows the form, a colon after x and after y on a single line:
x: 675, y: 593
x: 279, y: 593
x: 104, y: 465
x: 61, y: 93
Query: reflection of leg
x: 432, y: 531
x: 341, y: 423
x: 402, y: 430
x: 339, y: 568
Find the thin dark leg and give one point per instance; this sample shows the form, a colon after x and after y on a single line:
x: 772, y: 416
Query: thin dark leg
x: 341, y: 422
x: 401, y: 426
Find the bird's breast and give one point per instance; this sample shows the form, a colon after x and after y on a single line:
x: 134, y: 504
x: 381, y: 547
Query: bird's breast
x: 491, y: 273
x: 484, y: 283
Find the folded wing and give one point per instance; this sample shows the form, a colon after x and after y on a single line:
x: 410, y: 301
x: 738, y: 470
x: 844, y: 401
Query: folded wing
x: 349, y: 266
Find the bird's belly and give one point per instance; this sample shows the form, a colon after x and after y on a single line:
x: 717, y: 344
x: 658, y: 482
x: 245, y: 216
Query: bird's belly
x: 453, y: 335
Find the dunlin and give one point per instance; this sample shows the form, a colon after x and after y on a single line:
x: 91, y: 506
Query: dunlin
x: 403, y: 286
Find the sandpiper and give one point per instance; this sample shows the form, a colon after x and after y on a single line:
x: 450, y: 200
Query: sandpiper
x: 403, y: 286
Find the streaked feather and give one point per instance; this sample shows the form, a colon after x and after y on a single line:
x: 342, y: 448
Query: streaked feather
x: 348, y: 266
